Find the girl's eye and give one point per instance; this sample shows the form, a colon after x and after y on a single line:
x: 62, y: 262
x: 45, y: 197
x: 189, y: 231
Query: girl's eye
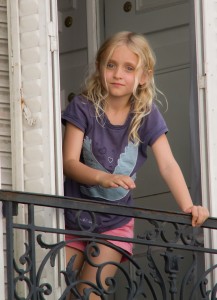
x: 110, y: 65
x: 129, y: 69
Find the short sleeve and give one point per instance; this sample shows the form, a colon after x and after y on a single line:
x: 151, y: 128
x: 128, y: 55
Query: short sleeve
x: 153, y: 127
x: 77, y: 113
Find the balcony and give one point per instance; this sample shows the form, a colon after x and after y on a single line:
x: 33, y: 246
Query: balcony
x: 170, y: 260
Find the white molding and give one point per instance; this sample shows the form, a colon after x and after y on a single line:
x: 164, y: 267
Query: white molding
x: 206, y: 46
x: 92, y: 9
x: 201, y: 102
x: 210, y: 62
x: 60, y: 220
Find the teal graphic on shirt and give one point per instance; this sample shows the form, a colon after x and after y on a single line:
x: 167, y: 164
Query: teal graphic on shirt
x: 125, y: 165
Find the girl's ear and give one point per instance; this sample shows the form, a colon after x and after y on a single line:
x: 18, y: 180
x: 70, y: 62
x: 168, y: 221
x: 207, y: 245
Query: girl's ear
x: 145, y: 77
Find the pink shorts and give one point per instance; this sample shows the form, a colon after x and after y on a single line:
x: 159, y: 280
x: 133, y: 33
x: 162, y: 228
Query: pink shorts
x: 125, y: 231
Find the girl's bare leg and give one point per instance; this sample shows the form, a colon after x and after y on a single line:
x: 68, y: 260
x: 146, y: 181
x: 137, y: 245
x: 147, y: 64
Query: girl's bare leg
x: 79, y: 257
x: 89, y: 272
x: 77, y: 265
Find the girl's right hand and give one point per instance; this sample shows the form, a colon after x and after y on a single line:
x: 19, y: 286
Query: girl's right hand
x: 116, y: 180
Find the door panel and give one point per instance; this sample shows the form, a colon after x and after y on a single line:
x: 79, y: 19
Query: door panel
x: 149, y: 181
x: 73, y: 46
x: 144, y: 19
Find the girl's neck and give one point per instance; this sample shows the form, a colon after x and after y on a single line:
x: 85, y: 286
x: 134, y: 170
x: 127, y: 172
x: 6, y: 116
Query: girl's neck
x: 118, y: 104
x: 117, y: 111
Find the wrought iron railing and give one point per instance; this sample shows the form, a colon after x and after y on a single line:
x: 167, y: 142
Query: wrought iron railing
x: 170, y: 259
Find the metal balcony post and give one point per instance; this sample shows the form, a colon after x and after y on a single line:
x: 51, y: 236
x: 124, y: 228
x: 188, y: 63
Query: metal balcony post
x: 8, y: 212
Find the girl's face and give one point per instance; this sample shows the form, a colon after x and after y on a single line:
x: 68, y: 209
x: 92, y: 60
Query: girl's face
x: 120, y: 73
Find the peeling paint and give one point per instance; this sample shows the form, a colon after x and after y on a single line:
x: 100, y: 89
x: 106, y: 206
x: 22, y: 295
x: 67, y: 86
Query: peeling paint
x: 27, y: 113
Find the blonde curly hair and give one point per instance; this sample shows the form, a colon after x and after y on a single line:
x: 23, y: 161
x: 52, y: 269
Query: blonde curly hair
x: 142, y: 96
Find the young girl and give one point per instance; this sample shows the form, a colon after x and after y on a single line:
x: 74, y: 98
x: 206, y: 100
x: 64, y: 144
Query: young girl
x: 108, y: 129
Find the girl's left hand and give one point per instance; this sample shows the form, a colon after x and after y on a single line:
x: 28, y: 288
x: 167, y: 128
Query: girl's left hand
x: 199, y: 214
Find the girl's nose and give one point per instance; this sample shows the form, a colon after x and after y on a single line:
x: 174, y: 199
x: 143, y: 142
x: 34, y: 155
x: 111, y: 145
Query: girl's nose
x: 118, y: 72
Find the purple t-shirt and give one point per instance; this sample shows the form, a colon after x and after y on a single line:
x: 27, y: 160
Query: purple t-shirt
x: 106, y: 147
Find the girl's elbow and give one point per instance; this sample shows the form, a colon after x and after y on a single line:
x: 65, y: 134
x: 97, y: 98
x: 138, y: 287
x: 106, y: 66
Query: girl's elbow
x: 66, y: 167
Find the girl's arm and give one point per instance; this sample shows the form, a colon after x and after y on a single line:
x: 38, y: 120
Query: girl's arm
x: 172, y: 174
x: 73, y: 168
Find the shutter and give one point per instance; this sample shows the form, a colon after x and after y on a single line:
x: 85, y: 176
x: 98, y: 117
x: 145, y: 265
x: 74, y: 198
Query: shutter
x: 35, y: 113
x: 5, y: 138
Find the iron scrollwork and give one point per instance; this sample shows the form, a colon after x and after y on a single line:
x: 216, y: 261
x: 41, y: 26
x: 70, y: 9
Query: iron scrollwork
x: 134, y: 285
x: 169, y: 264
